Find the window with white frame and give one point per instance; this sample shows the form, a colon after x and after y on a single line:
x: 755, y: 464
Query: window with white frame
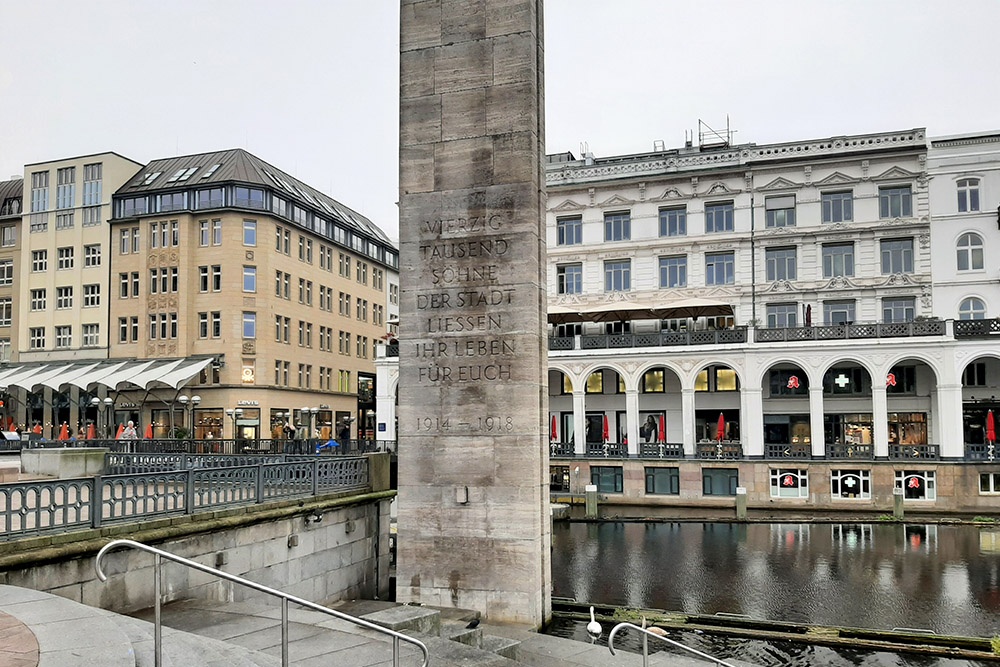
x: 122, y: 329
x: 838, y: 260
x: 720, y: 268
x: 895, y: 202
x: 972, y: 308
x: 65, y: 187
x: 92, y: 295
x: 216, y: 324
x: 65, y: 257
x: 217, y: 232
x: 91, y: 335
x: 851, y: 484
x: 968, y: 195
x: 898, y: 309
x: 970, y: 252
x: 719, y: 217
x: 39, y: 191
x: 249, y: 325
x: 39, y: 261
x: 91, y: 216
x: 569, y: 231
x: 38, y: 299
x: 782, y: 315
x: 617, y: 226
x: 838, y: 312
x: 203, y: 325
x: 779, y: 211
x: 216, y: 278
x: 673, y: 271
x: 135, y: 240
x: 789, y: 483
x: 125, y: 237
x: 250, y: 232
x: 8, y: 236
x: 249, y: 278
x: 897, y: 256
x: 989, y: 483
x: 618, y: 275
x: 837, y: 206
x: 569, y: 278
x: 36, y: 338
x: 64, y: 336
x: 4, y: 349
x: 780, y: 263
x: 92, y: 174
x: 64, y: 220
x: 917, y: 484
x: 673, y: 221
x: 92, y: 255
x: 6, y: 272
x: 203, y: 233
x: 64, y: 297
x: 6, y: 311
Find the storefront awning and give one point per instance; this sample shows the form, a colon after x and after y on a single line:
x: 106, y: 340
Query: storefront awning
x: 114, y: 375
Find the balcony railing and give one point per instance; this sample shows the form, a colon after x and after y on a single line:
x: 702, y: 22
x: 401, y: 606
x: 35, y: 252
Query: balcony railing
x: 653, y: 339
x: 913, y: 452
x: 561, y: 449
x: 795, y: 450
x: 724, y: 449
x: 392, y: 349
x: 851, y: 451
x: 661, y: 450
x: 860, y: 330
x: 607, y: 449
x: 981, y: 452
x: 977, y: 328
x: 226, y: 446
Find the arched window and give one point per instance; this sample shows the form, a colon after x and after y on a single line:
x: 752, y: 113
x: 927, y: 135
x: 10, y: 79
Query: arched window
x: 970, y: 252
x: 972, y: 309
x: 968, y: 195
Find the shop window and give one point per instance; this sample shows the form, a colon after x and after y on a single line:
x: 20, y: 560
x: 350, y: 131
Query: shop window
x: 595, y: 383
x: 851, y: 381
x: 901, y: 380
x: 663, y: 481
x: 559, y: 479
x: 608, y: 479
x: 907, y: 428
x: 788, y: 382
x: 719, y: 481
x: 791, y: 483
x: 848, y: 429
x: 850, y: 484
x: 652, y: 381
x: 717, y: 378
x: 989, y: 483
x: 917, y: 484
x: 786, y: 429
x: 208, y: 423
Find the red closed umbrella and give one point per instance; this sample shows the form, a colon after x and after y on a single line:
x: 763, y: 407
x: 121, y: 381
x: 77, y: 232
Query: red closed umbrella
x: 64, y: 432
x: 90, y: 432
x: 552, y: 431
x: 37, y: 429
x: 721, y: 433
x: 605, y: 432
x: 663, y: 430
x: 149, y: 432
x: 121, y: 427
x: 991, y: 429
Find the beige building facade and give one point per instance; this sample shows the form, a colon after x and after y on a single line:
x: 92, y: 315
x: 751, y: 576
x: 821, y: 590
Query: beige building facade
x: 10, y: 260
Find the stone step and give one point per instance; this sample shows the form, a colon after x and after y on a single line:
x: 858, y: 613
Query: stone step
x: 409, y: 619
x: 447, y: 652
x: 183, y: 649
x: 457, y: 631
x: 504, y: 646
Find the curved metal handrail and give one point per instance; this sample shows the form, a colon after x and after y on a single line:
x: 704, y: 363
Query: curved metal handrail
x: 704, y: 656
x: 285, y: 599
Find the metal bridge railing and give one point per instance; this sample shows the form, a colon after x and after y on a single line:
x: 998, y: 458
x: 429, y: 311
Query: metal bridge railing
x: 159, y: 554
x: 646, y: 634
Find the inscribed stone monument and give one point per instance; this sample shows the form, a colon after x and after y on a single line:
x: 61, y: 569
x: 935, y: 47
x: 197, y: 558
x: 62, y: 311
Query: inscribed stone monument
x: 473, y: 465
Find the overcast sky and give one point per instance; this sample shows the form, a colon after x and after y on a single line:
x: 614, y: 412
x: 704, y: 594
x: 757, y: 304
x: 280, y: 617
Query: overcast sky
x: 312, y: 85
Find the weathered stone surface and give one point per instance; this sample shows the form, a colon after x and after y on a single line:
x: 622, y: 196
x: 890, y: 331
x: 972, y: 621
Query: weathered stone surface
x: 473, y: 511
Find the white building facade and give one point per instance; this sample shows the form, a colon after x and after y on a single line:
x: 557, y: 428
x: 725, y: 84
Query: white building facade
x: 835, y: 332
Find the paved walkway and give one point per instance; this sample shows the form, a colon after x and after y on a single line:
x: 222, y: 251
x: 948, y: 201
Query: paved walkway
x: 18, y: 645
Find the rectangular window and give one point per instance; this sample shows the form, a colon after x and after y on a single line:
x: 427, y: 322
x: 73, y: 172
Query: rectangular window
x: 719, y: 481
x: 203, y: 233
x: 569, y: 279
x: 64, y: 220
x: 6, y: 272
x: 249, y: 198
x: 917, y: 484
x: 217, y: 232
x: 720, y: 268
x: 780, y: 263
x: 975, y: 375
x: 6, y: 308
x: 135, y: 284
x: 64, y: 336
x: 216, y: 278
x: 91, y: 216
x: 838, y: 260
x: 65, y: 187
x: 216, y: 324
x: 39, y: 222
x: 793, y: 483
x: 663, y: 481
x: 39, y: 261
x: 618, y: 275
x: 173, y: 201
x: 850, y: 484
x: 898, y: 309
x: 895, y: 202
x: 608, y: 479
x: 249, y: 325
x: 968, y: 195
x: 989, y: 483
x: 897, y: 256
x: 123, y: 279
x: 249, y: 278
x: 37, y: 337
x: 91, y: 335
x: 211, y: 198
x: 65, y: 258
x: 38, y: 299
x: 8, y: 236
x: 569, y: 231
x: 617, y: 226
x: 673, y: 271
x: 250, y: 232
x: 719, y: 217
x: 92, y: 255
x: 782, y: 315
x: 135, y: 239
x: 673, y: 221
x: 134, y: 325
x: 39, y: 191
x: 122, y: 329
x: 92, y: 295
x: 92, y: 174
x: 838, y: 206
x: 203, y: 278
x: 4, y: 349
x: 202, y: 325
x: 838, y: 312
x: 779, y: 211
x: 132, y: 206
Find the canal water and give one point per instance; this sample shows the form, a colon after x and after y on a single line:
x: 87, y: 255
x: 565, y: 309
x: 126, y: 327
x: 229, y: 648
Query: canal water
x: 938, y: 577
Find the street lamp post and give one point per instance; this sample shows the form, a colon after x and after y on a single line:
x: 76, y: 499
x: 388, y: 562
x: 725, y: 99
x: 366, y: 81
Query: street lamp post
x: 102, y: 414
x: 190, y: 403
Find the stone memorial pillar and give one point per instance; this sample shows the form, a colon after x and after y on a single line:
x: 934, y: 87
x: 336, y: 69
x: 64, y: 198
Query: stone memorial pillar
x: 473, y: 454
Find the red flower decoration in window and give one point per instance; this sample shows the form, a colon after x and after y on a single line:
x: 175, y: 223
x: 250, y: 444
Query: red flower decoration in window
x: 787, y: 481
x: 793, y: 382
x: 890, y: 380
x: 914, y: 483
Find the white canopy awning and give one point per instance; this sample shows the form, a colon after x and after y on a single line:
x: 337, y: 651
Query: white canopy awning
x: 180, y: 376
x: 153, y: 373
x: 111, y: 374
x: 68, y: 375
x: 42, y: 377
x: 23, y: 374
x: 94, y: 377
